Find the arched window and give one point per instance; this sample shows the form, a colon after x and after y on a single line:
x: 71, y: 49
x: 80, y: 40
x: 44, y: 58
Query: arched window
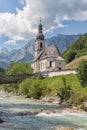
x: 41, y: 45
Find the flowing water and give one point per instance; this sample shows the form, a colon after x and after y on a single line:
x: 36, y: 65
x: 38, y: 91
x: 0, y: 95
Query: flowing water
x: 11, y: 107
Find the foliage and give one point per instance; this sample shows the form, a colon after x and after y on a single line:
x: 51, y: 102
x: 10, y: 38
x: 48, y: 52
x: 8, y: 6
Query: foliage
x: 82, y: 72
x: 70, y: 55
x: 35, y: 88
x: 11, y: 88
x: 67, y: 87
x: 31, y: 88
x: 77, y: 49
x: 65, y: 92
x: 19, y: 68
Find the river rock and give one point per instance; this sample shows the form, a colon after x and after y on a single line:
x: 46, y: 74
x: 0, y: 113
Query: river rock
x: 37, y: 111
x: 48, y: 111
x: 62, y: 128
x: 52, y: 99
x: 84, y: 106
x: 72, y: 110
x: 24, y: 113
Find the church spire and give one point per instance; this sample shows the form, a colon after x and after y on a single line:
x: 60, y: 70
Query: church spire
x: 40, y: 26
x: 40, y: 34
x: 39, y: 42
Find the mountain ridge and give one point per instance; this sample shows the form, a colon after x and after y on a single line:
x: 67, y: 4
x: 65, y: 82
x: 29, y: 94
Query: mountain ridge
x: 26, y: 53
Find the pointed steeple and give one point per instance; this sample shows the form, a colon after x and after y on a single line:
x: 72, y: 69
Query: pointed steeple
x: 40, y: 31
x: 39, y: 42
x: 40, y: 26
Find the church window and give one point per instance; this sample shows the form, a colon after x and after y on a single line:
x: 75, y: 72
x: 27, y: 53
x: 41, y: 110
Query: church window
x: 41, y: 45
x: 50, y: 63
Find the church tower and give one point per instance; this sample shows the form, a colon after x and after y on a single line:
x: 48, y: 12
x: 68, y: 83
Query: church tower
x: 40, y: 42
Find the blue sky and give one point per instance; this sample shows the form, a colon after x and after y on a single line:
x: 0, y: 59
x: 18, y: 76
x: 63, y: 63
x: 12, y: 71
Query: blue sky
x: 19, y: 19
x: 10, y: 6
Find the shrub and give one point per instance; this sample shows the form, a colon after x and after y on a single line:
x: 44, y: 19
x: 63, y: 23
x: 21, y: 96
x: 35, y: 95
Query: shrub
x: 82, y: 72
x: 31, y: 88
x: 11, y: 87
x: 65, y: 93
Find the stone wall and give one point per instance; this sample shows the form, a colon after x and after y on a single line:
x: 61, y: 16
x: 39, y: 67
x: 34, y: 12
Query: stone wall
x: 61, y: 72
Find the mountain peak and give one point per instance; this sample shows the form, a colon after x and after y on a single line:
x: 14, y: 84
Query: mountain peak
x: 4, y: 51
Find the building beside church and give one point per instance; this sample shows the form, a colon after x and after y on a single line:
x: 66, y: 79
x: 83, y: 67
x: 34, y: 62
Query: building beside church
x: 46, y: 59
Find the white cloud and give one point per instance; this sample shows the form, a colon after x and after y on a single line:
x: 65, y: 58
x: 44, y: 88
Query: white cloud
x: 23, y: 24
x: 22, y: 2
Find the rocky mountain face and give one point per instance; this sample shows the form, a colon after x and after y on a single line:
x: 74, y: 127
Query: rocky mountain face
x: 26, y: 53
x: 62, y: 41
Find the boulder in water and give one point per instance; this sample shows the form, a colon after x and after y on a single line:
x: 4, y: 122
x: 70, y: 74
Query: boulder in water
x: 48, y: 111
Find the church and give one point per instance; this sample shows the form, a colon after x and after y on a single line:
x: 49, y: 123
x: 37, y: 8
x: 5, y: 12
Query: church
x: 46, y: 58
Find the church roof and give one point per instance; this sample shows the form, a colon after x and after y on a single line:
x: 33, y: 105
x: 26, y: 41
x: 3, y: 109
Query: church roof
x: 38, y: 56
x: 50, y: 52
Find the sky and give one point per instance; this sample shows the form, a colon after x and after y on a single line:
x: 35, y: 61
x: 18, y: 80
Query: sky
x: 19, y: 19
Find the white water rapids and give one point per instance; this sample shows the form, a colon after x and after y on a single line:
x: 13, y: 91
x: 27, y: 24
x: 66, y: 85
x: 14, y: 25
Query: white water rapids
x: 11, y: 107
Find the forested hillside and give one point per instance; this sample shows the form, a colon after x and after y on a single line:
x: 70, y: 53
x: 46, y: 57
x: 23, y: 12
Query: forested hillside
x: 79, y: 48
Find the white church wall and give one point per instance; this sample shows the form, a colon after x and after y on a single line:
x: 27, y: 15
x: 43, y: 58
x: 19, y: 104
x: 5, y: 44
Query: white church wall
x: 43, y: 65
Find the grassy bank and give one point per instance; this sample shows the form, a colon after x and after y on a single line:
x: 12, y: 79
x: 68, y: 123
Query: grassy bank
x: 36, y: 88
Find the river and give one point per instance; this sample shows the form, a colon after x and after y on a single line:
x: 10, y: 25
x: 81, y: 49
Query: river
x: 11, y: 107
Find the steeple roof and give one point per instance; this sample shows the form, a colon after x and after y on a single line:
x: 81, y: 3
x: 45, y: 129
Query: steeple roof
x: 40, y: 34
